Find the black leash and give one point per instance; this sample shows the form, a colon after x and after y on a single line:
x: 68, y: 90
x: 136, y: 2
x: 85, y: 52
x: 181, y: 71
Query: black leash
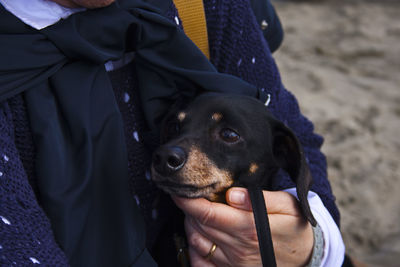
x: 262, y: 226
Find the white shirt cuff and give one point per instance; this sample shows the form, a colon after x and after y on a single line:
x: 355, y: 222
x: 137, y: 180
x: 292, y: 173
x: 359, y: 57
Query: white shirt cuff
x: 334, y: 248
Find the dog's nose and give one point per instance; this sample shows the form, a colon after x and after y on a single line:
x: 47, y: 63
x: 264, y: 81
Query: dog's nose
x: 167, y: 160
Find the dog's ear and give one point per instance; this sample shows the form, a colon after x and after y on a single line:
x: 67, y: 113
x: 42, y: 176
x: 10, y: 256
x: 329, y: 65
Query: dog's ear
x: 289, y: 155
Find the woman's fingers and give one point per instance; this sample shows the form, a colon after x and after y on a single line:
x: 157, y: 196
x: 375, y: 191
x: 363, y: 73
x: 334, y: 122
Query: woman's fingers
x: 200, y: 246
x: 233, y: 230
x: 196, y: 260
x: 277, y: 202
x: 215, y: 215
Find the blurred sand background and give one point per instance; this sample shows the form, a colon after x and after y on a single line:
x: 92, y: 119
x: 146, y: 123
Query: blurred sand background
x: 342, y: 61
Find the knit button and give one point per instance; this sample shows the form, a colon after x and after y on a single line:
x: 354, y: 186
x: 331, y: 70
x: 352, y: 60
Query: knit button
x: 239, y: 62
x: 137, y: 199
x: 253, y: 60
x: 1, y: 173
x: 268, y: 100
x: 34, y: 260
x: 264, y: 24
x: 154, y: 214
x: 5, y: 220
x: 148, y: 175
x: 176, y: 20
x: 126, y: 97
x: 213, y: 5
x: 6, y: 158
x: 1, y: 247
x: 136, y: 136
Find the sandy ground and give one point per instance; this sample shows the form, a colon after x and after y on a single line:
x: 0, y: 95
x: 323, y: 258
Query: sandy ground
x: 342, y: 61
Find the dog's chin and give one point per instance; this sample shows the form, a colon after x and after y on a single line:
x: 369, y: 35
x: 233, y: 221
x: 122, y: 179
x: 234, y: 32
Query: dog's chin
x: 187, y: 190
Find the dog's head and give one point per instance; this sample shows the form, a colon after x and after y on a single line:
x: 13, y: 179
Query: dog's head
x: 220, y: 141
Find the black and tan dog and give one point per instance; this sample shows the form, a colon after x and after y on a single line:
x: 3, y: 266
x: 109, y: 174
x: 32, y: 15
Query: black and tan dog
x: 220, y: 141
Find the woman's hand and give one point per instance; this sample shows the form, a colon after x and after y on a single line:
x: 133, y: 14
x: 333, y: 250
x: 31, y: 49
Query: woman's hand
x: 233, y: 230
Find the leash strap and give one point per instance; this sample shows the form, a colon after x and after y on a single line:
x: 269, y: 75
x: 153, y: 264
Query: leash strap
x: 192, y: 15
x: 262, y: 227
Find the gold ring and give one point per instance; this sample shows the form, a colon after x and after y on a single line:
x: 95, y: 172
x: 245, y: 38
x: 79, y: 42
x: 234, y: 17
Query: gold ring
x: 211, y: 252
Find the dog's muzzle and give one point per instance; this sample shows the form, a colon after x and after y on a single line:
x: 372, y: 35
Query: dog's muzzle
x: 169, y: 159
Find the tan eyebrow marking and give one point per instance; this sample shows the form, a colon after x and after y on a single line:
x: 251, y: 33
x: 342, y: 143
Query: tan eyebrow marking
x: 253, y: 168
x: 216, y: 116
x: 181, y: 116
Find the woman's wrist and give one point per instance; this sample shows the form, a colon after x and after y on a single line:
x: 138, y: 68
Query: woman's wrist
x: 333, y: 249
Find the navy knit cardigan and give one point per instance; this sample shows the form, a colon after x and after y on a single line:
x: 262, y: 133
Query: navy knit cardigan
x: 238, y: 46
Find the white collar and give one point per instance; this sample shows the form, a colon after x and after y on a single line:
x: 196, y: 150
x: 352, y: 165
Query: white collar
x: 38, y: 13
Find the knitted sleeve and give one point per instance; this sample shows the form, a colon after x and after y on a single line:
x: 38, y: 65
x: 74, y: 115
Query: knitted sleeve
x: 238, y: 47
x: 26, y: 238
x: 269, y: 22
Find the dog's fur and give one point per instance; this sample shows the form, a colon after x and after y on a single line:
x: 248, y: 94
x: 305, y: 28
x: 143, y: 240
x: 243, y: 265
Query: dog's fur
x: 220, y: 141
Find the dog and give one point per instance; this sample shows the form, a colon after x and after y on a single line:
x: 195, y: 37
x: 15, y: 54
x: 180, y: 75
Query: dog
x: 220, y: 141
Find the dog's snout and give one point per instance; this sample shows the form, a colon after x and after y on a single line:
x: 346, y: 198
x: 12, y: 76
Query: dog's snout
x: 167, y: 160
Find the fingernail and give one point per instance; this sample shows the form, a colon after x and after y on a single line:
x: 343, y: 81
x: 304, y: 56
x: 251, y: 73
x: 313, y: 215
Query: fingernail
x: 237, y: 197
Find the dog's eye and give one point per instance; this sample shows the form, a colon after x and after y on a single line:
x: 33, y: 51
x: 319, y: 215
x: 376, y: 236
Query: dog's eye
x: 229, y: 135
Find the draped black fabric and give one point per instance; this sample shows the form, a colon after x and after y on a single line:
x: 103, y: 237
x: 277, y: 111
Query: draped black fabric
x: 81, y: 161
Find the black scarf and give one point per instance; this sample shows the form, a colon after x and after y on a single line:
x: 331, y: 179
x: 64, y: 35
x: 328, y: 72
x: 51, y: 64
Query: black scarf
x: 81, y: 161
